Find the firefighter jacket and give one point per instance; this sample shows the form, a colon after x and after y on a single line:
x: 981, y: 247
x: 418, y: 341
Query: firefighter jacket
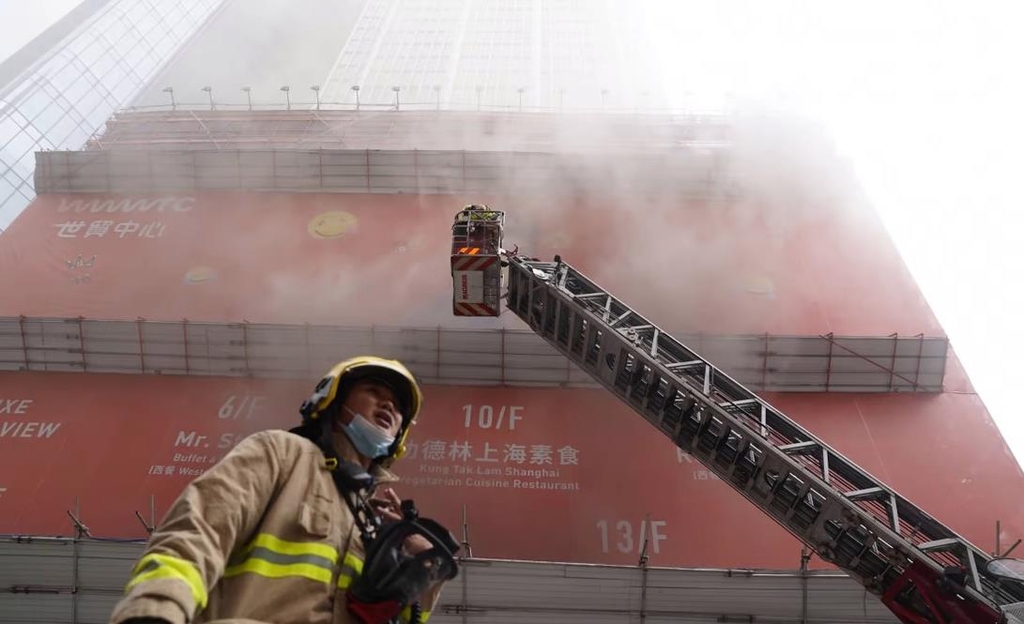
x: 262, y: 536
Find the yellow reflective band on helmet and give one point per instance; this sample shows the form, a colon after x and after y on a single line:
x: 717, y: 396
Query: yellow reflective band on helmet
x: 406, y: 614
x: 351, y: 567
x: 274, y: 557
x: 156, y: 566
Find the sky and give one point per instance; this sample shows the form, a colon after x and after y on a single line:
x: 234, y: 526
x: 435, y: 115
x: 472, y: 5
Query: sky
x: 924, y: 99
x: 20, y: 22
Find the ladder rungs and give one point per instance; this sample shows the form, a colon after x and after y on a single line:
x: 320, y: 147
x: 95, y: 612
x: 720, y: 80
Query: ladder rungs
x: 689, y: 364
x: 941, y: 544
x: 867, y: 493
x: 797, y: 447
x: 734, y: 405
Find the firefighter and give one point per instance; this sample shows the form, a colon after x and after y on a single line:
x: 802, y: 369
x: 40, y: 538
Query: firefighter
x: 465, y: 230
x: 290, y: 526
x: 462, y: 226
x: 475, y: 212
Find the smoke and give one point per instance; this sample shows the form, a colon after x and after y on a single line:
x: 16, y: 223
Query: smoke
x: 261, y: 45
x: 693, y: 235
x: 745, y: 222
x: 376, y: 284
x: 697, y: 222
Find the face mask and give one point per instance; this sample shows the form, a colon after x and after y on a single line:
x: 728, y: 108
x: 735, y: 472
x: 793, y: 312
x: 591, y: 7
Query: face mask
x: 368, y: 440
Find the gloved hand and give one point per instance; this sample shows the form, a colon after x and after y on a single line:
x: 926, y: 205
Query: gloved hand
x: 389, y: 507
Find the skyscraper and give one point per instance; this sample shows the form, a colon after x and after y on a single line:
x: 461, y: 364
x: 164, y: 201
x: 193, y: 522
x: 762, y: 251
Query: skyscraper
x: 185, y: 278
x: 458, y: 54
x: 80, y: 74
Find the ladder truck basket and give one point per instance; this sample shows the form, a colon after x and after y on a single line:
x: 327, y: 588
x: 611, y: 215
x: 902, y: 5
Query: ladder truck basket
x: 476, y: 262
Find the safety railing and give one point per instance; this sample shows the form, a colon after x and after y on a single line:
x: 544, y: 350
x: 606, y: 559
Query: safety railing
x: 376, y: 171
x: 425, y: 130
x: 449, y: 356
x: 80, y: 580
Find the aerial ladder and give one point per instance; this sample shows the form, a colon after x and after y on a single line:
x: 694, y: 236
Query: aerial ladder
x: 920, y: 569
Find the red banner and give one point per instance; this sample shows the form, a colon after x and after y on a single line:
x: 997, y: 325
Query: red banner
x: 547, y: 474
x: 346, y: 259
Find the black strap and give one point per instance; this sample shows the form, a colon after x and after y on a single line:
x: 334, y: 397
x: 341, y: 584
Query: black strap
x: 352, y: 482
x: 362, y: 512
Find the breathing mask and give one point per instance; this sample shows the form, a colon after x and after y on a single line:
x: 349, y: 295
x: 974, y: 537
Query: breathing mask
x: 393, y: 578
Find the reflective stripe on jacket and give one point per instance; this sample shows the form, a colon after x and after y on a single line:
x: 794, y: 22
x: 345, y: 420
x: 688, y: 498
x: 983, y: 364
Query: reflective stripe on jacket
x: 262, y: 536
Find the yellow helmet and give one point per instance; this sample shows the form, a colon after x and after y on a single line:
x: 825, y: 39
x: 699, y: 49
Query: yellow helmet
x: 392, y: 372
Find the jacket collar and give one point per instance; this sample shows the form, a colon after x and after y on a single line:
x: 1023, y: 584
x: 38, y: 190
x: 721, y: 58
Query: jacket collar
x: 345, y: 450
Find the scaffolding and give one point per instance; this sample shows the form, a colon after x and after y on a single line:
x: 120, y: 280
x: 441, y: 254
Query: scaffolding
x: 412, y: 171
x: 78, y: 581
x: 430, y: 130
x: 447, y: 356
x: 410, y: 152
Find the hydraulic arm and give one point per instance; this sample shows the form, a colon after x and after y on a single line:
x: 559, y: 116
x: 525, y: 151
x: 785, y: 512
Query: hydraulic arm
x: 920, y: 569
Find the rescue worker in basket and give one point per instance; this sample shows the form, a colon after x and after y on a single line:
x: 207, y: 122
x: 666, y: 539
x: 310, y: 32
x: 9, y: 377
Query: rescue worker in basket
x: 289, y: 527
x: 465, y: 229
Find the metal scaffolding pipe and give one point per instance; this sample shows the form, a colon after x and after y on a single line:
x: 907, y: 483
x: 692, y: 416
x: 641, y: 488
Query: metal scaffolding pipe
x: 279, y: 351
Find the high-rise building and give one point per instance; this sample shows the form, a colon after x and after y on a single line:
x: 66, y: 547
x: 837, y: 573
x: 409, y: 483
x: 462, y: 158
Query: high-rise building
x: 422, y: 55
x: 58, y: 93
x: 185, y: 278
x: 459, y: 54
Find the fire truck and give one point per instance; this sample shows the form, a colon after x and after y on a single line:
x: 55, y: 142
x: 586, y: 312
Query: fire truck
x: 921, y: 570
